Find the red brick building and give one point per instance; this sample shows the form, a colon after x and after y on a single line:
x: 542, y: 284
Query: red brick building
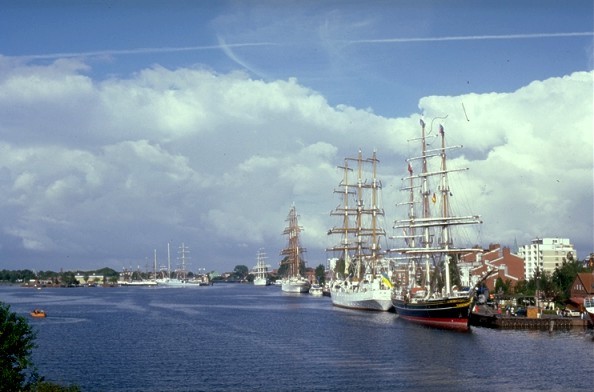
x: 582, y: 286
x: 508, y: 266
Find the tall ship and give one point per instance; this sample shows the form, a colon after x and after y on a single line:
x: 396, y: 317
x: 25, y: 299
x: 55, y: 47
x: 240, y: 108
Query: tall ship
x: 260, y: 270
x: 293, y: 281
x: 427, y: 293
x: 361, y: 279
x: 180, y: 277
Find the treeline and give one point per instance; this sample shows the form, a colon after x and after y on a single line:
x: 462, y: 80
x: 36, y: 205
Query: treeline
x: 18, y: 276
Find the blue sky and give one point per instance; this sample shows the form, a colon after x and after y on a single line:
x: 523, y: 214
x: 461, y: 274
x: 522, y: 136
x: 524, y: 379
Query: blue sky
x: 179, y: 115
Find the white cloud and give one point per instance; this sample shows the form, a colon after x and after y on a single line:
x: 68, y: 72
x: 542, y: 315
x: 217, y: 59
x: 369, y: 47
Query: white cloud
x: 216, y: 160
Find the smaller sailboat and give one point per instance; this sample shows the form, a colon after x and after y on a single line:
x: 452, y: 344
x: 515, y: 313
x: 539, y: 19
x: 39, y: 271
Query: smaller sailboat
x: 293, y: 282
x: 260, y: 270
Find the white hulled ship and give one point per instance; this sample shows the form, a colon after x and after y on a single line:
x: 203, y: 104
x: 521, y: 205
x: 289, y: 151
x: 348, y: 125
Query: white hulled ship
x: 361, y: 279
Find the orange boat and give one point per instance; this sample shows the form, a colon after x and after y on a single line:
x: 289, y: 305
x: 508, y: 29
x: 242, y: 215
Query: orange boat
x: 38, y: 313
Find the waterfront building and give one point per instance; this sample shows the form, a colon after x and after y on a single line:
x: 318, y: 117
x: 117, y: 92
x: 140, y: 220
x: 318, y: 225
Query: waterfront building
x: 582, y: 287
x: 545, y: 254
x: 508, y: 266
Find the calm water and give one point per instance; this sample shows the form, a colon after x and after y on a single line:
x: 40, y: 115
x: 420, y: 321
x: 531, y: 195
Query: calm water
x: 246, y: 338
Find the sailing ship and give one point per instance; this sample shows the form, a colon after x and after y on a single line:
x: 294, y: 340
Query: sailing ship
x: 426, y: 295
x: 293, y: 282
x: 260, y: 270
x: 180, y: 279
x: 364, y: 282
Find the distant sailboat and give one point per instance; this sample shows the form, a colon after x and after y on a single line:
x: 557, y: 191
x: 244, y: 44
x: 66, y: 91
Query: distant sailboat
x: 180, y: 278
x: 260, y: 270
x: 293, y: 282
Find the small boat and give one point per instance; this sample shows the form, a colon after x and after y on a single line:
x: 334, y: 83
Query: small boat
x: 38, y: 313
x: 589, y: 305
x: 316, y: 290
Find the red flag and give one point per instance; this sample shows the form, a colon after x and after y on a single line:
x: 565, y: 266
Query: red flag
x: 410, y: 170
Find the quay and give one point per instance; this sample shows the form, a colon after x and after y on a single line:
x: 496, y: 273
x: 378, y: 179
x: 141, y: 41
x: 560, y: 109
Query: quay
x: 486, y: 317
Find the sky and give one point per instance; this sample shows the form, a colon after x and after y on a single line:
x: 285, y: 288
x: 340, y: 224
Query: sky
x: 128, y: 125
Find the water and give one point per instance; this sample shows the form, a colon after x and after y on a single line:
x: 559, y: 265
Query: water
x: 246, y: 338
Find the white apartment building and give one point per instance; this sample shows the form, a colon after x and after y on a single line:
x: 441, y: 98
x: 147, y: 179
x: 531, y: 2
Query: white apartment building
x: 545, y: 254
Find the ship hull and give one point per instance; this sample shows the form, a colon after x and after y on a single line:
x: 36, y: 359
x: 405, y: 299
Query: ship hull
x: 379, y: 300
x: 589, y: 305
x: 447, y: 313
x: 261, y: 282
x: 295, y: 286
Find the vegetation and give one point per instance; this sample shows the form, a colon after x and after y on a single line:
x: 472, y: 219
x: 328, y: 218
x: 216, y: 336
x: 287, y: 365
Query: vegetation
x: 554, y: 286
x: 240, y: 272
x: 320, y: 274
x: 17, y: 341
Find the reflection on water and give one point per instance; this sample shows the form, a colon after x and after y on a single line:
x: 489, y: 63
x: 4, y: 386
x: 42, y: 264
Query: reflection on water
x: 245, y: 338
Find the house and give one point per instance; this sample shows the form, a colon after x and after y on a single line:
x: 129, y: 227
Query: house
x: 582, y: 287
x: 507, y: 266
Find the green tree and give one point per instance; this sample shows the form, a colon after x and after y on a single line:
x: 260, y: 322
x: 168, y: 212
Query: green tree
x: 564, y: 276
x: 68, y: 279
x: 320, y: 274
x: 505, y: 286
x: 240, y: 272
x: 17, y: 340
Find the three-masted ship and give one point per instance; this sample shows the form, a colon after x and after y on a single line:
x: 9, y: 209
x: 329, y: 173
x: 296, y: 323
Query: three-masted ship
x: 363, y: 283
x: 427, y: 295
x: 260, y: 270
x: 293, y: 281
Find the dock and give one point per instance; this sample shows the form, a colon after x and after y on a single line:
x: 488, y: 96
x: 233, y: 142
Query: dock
x: 486, y: 317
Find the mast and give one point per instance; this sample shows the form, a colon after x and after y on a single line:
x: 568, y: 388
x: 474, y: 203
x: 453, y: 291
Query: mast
x: 365, y: 234
x: 428, y: 223
x: 168, y: 262
x: 183, y: 250
x: 294, y: 249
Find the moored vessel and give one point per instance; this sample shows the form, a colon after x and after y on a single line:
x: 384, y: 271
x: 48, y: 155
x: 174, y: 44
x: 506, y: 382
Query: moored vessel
x: 361, y: 278
x: 589, y: 308
x: 427, y: 295
x: 260, y: 270
x: 293, y: 263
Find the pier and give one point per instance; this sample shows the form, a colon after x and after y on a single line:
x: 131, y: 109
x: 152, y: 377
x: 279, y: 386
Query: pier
x: 486, y: 317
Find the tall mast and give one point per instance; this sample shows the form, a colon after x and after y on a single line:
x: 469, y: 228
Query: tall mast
x: 343, y: 210
x: 168, y: 262
x: 442, y: 220
x: 294, y: 248
x: 426, y: 210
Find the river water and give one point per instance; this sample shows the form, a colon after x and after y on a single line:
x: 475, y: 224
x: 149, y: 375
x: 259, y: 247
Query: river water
x: 232, y: 337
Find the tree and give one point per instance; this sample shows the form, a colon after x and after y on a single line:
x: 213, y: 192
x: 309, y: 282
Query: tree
x: 564, y: 276
x: 17, y: 340
x: 320, y: 274
x: 240, y: 272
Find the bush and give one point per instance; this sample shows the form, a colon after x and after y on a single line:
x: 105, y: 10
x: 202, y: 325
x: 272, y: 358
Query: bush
x: 17, y: 339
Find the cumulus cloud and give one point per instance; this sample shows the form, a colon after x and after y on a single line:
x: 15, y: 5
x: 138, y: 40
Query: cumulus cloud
x: 104, y: 171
